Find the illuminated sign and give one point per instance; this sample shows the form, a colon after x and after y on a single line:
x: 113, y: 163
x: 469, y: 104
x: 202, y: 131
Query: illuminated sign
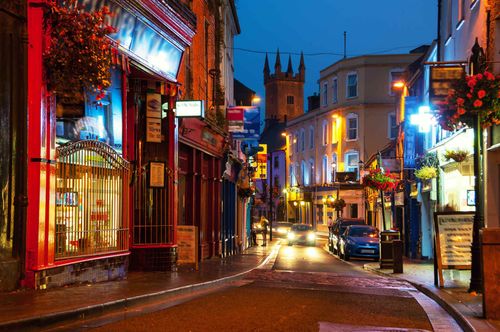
x: 189, y: 109
x: 251, y: 123
x: 139, y: 40
x: 424, y: 119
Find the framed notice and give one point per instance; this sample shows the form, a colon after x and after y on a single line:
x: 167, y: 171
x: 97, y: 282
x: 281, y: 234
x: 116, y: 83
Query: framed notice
x: 153, y: 105
x: 187, y: 241
x: 453, y: 241
x: 153, y: 130
x: 156, y: 175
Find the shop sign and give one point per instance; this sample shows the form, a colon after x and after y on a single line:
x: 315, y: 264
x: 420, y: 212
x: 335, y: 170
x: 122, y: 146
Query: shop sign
x: 153, y: 105
x: 189, y: 109
x: 453, y: 240
x: 153, y: 130
x: 441, y: 81
x: 392, y: 165
x: 235, y: 119
x: 251, y: 123
x: 139, y: 40
x: 187, y: 242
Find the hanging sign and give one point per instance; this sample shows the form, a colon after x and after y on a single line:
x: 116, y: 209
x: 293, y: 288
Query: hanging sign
x: 153, y: 105
x: 453, y: 234
x: 235, y: 119
x: 441, y: 81
x: 251, y: 123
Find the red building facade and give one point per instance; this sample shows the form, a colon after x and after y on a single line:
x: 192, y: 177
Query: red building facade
x: 101, y: 171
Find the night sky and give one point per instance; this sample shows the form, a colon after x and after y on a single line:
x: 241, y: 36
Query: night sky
x: 317, y: 26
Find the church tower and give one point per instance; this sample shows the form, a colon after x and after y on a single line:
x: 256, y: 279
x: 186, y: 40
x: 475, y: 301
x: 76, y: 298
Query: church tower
x: 284, y: 90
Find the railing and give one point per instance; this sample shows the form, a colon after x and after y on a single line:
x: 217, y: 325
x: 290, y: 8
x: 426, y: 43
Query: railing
x: 91, y: 200
x: 153, y: 196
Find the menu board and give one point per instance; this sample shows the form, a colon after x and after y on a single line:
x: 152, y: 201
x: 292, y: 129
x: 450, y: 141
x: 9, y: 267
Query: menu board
x: 453, y: 240
x: 187, y: 241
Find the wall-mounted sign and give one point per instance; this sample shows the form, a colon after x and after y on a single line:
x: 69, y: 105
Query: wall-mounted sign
x: 156, y: 175
x: 153, y: 105
x: 153, y: 130
x: 251, y: 123
x: 441, y: 80
x: 453, y: 240
x: 471, y: 197
x: 189, y: 109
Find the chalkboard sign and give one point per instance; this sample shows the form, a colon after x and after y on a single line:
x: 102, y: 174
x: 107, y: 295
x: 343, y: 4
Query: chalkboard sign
x: 453, y: 240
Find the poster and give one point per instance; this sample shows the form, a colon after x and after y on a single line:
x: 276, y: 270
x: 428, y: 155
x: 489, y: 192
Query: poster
x: 153, y: 130
x: 251, y: 123
x: 235, y: 119
x: 157, y: 175
x: 187, y: 241
x: 453, y: 240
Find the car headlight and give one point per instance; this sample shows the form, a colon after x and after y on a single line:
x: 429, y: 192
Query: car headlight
x: 291, y: 235
x: 311, y: 236
x: 281, y: 230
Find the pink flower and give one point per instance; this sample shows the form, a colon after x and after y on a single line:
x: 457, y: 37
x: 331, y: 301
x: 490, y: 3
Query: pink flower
x: 478, y: 103
x: 481, y: 93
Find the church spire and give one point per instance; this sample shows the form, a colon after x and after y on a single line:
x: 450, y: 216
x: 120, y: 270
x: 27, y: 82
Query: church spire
x: 266, y: 68
x: 289, y: 69
x: 277, y: 64
x: 302, y: 67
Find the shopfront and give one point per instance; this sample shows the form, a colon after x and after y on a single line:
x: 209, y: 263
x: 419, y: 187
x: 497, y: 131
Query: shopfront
x: 101, y: 163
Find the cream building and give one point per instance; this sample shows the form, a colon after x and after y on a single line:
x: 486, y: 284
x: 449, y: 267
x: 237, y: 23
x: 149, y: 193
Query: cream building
x: 356, y: 118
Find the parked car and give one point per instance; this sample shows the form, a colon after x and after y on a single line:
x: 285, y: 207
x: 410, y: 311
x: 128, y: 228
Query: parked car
x: 338, y: 229
x: 281, y: 228
x: 301, y: 234
x: 359, y: 241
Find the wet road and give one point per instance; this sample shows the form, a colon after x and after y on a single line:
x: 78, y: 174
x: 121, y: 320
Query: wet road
x: 302, y: 289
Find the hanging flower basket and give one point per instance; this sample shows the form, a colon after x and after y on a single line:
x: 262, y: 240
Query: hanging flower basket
x: 379, y: 180
x: 79, y: 53
x: 456, y: 155
x: 426, y: 173
x: 475, y: 95
x: 338, y: 204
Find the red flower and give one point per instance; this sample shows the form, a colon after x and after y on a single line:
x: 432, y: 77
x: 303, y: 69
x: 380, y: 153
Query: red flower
x: 461, y: 111
x: 460, y: 101
x: 480, y: 94
x: 469, y: 95
x: 471, y: 83
x: 477, y: 103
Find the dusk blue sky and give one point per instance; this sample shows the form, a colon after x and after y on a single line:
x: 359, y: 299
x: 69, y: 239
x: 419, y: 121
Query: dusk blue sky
x: 317, y: 26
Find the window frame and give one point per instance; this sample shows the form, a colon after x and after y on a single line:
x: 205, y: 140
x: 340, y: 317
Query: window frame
x: 325, y: 94
x: 352, y: 73
x: 333, y: 128
x: 351, y: 116
x: 324, y: 132
x: 290, y: 100
x: 302, y: 140
x: 311, y: 137
x: 347, y: 167
x: 335, y: 90
x: 391, y: 81
x: 389, y: 127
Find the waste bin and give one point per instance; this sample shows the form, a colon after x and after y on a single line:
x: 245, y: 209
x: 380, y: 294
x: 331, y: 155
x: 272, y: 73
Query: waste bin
x: 386, y: 248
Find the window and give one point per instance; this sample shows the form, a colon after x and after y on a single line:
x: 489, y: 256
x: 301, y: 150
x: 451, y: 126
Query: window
x: 460, y: 13
x: 352, y: 85
x: 325, y: 132
x: 303, y: 172
x: 334, y: 132
x: 293, y: 179
x: 394, y: 76
x: 392, y: 126
x: 289, y: 100
x: 311, y: 172
x: 448, y: 18
x: 325, y: 169
x: 353, y: 210
x: 351, y: 162
x: 334, y: 170
x: 276, y: 162
x: 335, y: 90
x: 325, y: 94
x: 352, y: 127
x: 295, y: 141
x: 302, y: 140
x: 311, y: 137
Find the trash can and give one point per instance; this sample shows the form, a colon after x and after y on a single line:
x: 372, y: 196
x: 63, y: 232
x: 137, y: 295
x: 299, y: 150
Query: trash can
x: 386, y: 248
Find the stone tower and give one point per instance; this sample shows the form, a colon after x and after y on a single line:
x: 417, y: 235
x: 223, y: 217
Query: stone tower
x: 284, y: 90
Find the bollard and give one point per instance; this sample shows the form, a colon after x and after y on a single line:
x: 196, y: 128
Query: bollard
x: 397, y: 256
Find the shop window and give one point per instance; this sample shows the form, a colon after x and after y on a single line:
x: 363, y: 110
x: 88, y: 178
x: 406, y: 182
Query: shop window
x: 84, y: 116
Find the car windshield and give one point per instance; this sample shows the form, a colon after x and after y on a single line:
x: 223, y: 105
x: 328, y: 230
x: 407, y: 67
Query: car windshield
x: 363, y: 232
x: 345, y: 224
x: 301, y: 227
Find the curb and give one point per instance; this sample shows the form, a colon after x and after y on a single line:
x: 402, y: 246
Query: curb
x: 51, y: 318
x: 452, y: 311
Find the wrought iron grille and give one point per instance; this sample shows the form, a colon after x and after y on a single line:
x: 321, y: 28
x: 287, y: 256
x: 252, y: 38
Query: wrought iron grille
x: 91, y: 200
x: 153, y: 219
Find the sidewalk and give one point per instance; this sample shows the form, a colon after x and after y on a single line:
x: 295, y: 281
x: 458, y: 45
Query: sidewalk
x: 454, y: 298
x: 29, y: 308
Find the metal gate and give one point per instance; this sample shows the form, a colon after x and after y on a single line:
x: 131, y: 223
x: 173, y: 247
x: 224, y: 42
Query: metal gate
x: 92, y: 190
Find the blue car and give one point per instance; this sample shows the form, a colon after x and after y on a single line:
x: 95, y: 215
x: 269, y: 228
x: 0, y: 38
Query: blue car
x: 359, y: 241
